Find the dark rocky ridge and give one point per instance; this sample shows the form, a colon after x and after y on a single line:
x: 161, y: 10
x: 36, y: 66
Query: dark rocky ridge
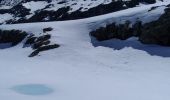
x: 62, y: 13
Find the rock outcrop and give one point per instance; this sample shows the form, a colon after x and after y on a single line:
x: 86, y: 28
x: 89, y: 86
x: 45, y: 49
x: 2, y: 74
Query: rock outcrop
x: 22, y: 13
x: 39, y: 44
x: 121, y: 31
x: 12, y: 36
x: 156, y: 32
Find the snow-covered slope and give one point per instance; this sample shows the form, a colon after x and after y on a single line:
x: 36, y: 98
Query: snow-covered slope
x: 10, y: 2
x: 7, y: 4
x: 77, y: 70
x: 74, y: 4
x: 52, y: 10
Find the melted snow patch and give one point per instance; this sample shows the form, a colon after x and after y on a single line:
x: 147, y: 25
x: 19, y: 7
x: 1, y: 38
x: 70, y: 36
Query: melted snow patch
x: 32, y: 89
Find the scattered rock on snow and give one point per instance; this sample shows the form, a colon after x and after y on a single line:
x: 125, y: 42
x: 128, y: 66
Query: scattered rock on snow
x: 39, y: 44
x: 43, y: 38
x: 43, y: 48
x: 47, y: 29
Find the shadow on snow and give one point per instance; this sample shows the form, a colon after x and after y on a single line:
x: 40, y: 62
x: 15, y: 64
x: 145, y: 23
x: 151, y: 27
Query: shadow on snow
x: 154, y: 50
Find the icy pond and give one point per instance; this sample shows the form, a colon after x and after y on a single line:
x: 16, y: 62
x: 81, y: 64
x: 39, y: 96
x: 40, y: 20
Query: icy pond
x: 33, y: 89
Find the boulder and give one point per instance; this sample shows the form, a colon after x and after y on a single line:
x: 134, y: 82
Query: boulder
x: 124, y: 31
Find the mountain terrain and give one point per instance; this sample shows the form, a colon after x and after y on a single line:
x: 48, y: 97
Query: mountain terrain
x: 23, y: 11
x: 85, y: 49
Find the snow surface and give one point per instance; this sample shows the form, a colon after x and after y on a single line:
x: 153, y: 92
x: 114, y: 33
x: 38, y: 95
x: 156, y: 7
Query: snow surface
x: 85, y: 69
x: 5, y: 7
x: 35, y: 5
x: 5, y: 17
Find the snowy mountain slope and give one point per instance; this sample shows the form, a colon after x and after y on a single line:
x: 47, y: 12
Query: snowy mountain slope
x: 79, y: 71
x: 74, y: 4
x: 10, y: 2
x: 52, y: 10
x: 144, y: 14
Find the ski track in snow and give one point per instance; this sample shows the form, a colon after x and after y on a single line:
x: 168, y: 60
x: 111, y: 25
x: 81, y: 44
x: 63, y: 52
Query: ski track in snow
x: 78, y: 70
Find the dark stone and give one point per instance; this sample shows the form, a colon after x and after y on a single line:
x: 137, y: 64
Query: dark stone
x: 111, y: 31
x: 153, y: 8
x: 137, y: 28
x: 20, y: 11
x: 62, y: 13
x: 34, y: 53
x: 39, y: 44
x: 148, y: 1
x: 43, y: 38
x: 124, y: 31
x: 157, y: 32
x: 47, y: 29
x: 30, y: 40
x: 168, y: 5
x: 12, y: 36
x: 43, y: 48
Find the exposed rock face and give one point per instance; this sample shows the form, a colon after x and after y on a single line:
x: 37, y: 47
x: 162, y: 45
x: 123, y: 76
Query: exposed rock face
x: 122, y: 31
x: 47, y: 29
x: 39, y: 44
x: 40, y: 41
x: 156, y: 32
x: 23, y: 13
x: 43, y: 48
x: 13, y: 36
x: 30, y: 40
